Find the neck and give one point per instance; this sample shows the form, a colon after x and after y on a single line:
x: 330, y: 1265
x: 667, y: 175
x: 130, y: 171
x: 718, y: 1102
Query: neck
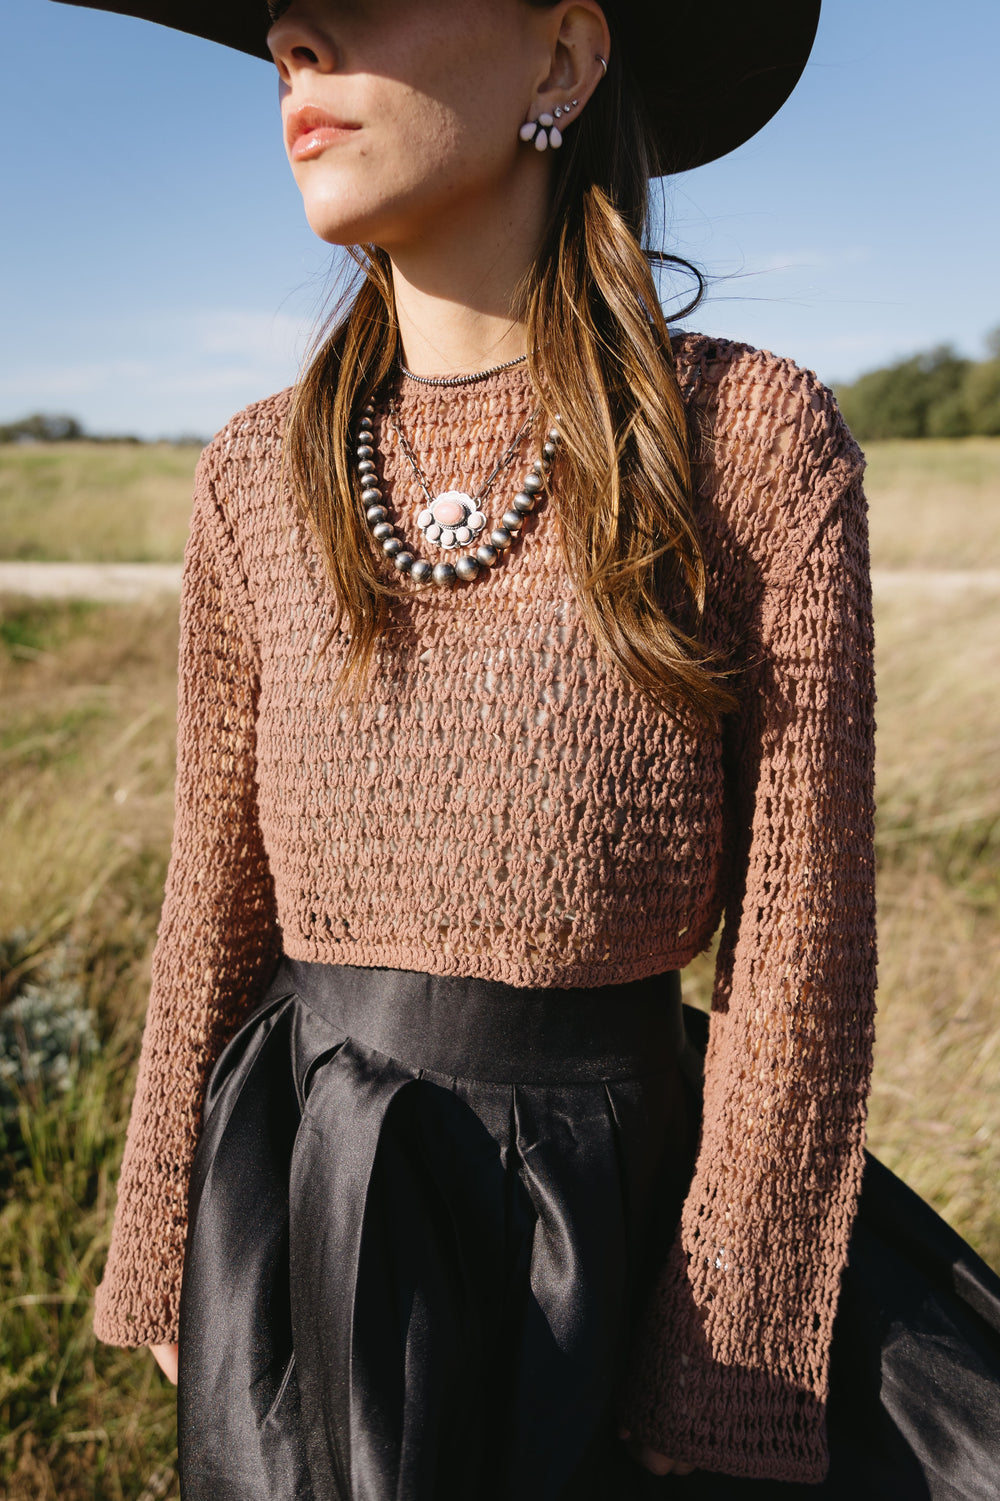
x: 456, y: 289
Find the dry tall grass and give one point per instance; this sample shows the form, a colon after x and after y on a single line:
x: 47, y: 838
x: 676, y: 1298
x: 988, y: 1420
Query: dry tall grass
x: 86, y: 740
x: 935, y: 1113
x: 86, y: 745
x: 935, y: 503
x: 95, y: 502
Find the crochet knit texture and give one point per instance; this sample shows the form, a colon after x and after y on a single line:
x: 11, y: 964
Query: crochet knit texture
x: 506, y: 805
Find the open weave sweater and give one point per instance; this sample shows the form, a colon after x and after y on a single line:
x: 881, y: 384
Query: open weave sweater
x: 508, y: 806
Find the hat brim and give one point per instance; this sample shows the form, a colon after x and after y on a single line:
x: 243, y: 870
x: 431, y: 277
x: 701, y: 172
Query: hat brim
x: 711, y: 72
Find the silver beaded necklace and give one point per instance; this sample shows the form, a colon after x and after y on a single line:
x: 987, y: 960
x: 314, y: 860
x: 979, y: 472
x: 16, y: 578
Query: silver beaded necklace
x: 462, y: 380
x: 453, y: 518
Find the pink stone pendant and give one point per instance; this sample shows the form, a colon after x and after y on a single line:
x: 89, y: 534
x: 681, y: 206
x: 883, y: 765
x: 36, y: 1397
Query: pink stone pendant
x: 451, y: 520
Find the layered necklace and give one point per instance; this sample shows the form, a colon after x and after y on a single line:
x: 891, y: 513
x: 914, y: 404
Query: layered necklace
x: 452, y: 519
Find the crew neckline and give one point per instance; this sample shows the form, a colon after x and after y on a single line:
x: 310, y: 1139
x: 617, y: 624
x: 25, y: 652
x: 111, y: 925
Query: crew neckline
x: 515, y: 378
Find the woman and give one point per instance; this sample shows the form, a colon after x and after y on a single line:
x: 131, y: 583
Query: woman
x: 519, y: 643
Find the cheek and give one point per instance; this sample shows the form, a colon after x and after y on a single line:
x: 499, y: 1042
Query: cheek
x: 443, y: 149
x: 417, y: 137
x: 415, y: 155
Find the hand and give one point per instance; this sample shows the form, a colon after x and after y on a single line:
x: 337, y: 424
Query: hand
x: 658, y: 1464
x: 166, y: 1358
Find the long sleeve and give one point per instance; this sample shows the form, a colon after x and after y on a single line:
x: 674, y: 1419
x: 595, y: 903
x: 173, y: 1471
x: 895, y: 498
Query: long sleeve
x: 217, y: 940
x: 730, y: 1372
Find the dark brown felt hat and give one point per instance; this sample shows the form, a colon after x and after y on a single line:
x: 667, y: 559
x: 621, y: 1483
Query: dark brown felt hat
x: 711, y: 72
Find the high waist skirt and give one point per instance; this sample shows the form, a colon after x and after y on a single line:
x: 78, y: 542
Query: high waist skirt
x: 424, y: 1215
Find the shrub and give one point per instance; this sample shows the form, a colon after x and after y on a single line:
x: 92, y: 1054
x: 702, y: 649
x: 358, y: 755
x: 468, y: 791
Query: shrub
x: 46, y: 1032
x: 937, y: 394
x: 898, y: 401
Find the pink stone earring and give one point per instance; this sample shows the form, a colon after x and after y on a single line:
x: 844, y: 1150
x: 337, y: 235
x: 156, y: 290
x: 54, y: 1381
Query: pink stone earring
x: 544, y: 131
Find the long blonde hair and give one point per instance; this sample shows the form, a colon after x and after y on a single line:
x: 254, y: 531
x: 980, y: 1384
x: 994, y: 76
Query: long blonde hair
x: 600, y: 358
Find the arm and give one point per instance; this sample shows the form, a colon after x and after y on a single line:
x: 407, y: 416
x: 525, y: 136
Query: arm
x: 218, y: 936
x: 732, y: 1364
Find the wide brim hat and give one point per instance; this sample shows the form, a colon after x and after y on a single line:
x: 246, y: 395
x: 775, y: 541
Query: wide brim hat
x: 711, y: 72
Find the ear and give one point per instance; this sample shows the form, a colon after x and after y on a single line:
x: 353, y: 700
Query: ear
x: 579, y: 38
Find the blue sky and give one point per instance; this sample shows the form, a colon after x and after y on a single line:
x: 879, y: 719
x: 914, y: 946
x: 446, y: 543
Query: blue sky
x: 158, y: 273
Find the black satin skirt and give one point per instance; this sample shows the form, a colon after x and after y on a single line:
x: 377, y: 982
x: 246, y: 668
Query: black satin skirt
x: 424, y: 1214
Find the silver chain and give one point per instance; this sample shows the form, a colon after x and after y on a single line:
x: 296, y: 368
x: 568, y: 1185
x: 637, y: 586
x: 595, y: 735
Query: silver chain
x: 505, y: 462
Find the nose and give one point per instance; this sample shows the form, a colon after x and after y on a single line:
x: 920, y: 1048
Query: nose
x: 296, y: 44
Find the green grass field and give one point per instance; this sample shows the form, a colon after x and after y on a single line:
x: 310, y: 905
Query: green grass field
x: 86, y: 754
x: 935, y: 504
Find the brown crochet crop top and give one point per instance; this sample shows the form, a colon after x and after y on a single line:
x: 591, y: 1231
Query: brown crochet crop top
x: 508, y: 806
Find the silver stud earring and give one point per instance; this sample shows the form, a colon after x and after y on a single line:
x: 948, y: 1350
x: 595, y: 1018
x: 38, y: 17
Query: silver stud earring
x: 544, y: 131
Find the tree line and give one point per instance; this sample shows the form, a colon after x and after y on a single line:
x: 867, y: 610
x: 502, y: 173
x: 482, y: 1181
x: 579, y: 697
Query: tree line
x: 936, y: 394
x: 56, y: 427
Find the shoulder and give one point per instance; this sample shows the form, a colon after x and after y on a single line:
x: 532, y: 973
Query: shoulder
x: 239, y: 521
x: 238, y: 481
x: 752, y: 397
x: 249, y: 443
x: 771, y: 451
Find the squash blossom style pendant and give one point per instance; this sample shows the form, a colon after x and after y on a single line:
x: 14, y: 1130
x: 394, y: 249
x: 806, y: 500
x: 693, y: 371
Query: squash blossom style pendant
x: 451, y: 520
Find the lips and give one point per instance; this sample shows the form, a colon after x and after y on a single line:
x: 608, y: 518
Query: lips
x: 309, y: 131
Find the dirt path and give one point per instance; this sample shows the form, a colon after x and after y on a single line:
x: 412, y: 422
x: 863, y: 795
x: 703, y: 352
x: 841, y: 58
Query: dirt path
x: 941, y: 583
x: 125, y: 583
x: 116, y: 583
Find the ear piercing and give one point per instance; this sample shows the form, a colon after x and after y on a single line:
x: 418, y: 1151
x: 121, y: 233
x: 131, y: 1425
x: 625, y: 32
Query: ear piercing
x: 544, y: 131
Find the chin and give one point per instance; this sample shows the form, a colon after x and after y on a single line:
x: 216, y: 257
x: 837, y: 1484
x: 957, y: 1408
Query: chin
x: 361, y: 218
x: 339, y: 231
x: 339, y: 219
